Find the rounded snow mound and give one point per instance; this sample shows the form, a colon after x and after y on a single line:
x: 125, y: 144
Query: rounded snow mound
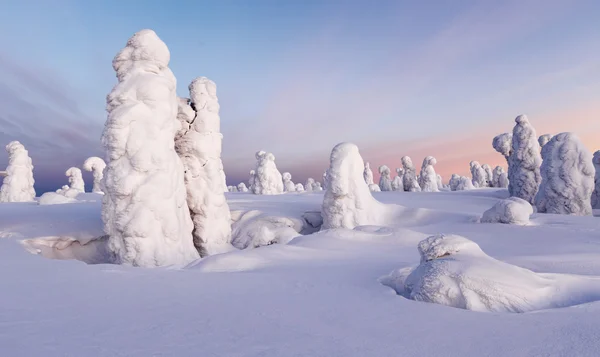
x: 53, y: 198
x: 512, y: 210
x: 455, y: 272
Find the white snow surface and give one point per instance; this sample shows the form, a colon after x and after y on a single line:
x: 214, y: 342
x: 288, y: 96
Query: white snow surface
x: 17, y: 185
x: 428, y: 179
x: 567, y: 177
x: 96, y: 166
x: 319, y: 295
x: 524, y: 161
x: 512, y: 210
x: 144, y: 211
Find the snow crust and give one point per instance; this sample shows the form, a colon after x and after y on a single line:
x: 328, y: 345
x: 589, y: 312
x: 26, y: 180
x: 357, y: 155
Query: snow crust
x: 17, y: 185
x: 96, y: 166
x: 524, y: 161
x: 512, y: 210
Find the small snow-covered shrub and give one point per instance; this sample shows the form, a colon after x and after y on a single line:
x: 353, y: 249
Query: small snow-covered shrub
x: 251, y: 180
x: 309, y: 185
x: 428, y: 177
x: 317, y: 187
x: 18, y: 183
x: 385, y: 179
x: 478, y: 175
x: 96, y: 166
x: 503, y: 144
x: 596, y: 194
x: 268, y: 179
x: 76, y: 185
x: 512, y: 210
x: 455, y: 272
x: 299, y: 187
x: 241, y: 187
x: 488, y: 175
x: 567, y: 177
x: 288, y: 185
x: 498, y: 170
x: 440, y: 182
x: 232, y: 189
x: 544, y: 139
x: 368, y: 174
x: 464, y: 183
x: 397, y: 182
x: 524, y: 161
x: 410, y: 176
x: 454, y: 182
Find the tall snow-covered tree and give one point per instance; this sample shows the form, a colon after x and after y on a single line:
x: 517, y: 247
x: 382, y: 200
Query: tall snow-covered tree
x: 96, y: 166
x: 242, y: 187
x: 567, y: 177
x: 454, y: 182
x: 398, y: 181
x: 199, y: 147
x: 478, y: 175
x: 18, y: 182
x: 288, y: 185
x: 503, y: 144
x: 368, y: 174
x: 544, y: 139
x: 268, y: 179
x: 385, y: 178
x: 524, y: 161
x: 309, y: 185
x: 410, y: 175
x: 489, y: 175
x: 428, y: 177
x: 144, y: 209
x: 76, y: 184
x: 596, y: 193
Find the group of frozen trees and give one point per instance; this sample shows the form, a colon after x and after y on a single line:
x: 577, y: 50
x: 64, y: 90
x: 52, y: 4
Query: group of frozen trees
x: 406, y: 178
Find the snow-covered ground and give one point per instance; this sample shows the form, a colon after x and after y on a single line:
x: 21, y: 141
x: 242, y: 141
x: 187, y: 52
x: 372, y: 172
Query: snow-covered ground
x: 319, y: 295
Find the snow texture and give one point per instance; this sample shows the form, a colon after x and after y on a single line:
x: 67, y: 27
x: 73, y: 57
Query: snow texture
x: 544, y: 139
x: 288, y: 185
x: 524, y: 161
x: 567, y: 177
x: 144, y: 208
x: 489, y: 176
x: 325, y: 183
x: 268, y: 180
x: 18, y: 182
x: 374, y: 187
x: 348, y: 203
x: 478, y: 175
x: 428, y: 179
x: 76, y: 184
x: 199, y: 148
x: 96, y: 166
x: 385, y: 178
x: 440, y: 182
x: 368, y: 174
x: 410, y: 176
x: 254, y: 229
x: 241, y: 187
x: 503, y: 144
x: 398, y: 181
x: 596, y: 194
x: 503, y: 180
x: 512, y: 210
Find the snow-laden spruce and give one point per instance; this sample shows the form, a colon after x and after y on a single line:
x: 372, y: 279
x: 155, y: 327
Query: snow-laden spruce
x: 368, y: 174
x: 299, y: 187
x: 268, y: 180
x: 242, y: 187
x: 454, y: 271
x: 18, y: 182
x: 512, y: 210
x: 410, y: 175
x: 464, y: 183
x: 567, y: 177
x: 428, y: 178
x: 503, y: 144
x: 251, y: 180
x: 544, y: 139
x: 398, y: 181
x: 596, y: 194
x: 96, y: 166
x: 524, y: 161
x: 489, y: 175
x: 498, y: 170
x: 144, y: 208
x: 317, y: 186
x: 76, y: 183
x: 199, y: 145
x: 348, y: 202
x: 309, y: 185
x: 288, y: 185
x: 440, y: 182
x: 477, y: 174
x: 385, y: 178
x: 454, y: 182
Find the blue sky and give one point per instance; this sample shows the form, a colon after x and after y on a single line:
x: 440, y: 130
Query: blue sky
x: 295, y: 78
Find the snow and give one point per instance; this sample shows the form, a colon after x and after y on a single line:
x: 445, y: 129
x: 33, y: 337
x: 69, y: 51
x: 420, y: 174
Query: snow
x: 489, y: 175
x: 288, y: 185
x: 512, y: 210
x: 496, y: 173
x: 503, y: 144
x: 144, y: 208
x: 199, y: 148
x: 368, y: 174
x: 385, y: 178
x: 96, y: 166
x: 464, y: 183
x: 241, y: 187
x: 544, y: 139
x: 524, y: 161
x: 309, y: 185
x: 478, y: 175
x: 567, y: 177
x: 410, y: 175
x: 319, y: 295
x: 55, y: 198
x: 251, y: 180
x: 268, y: 180
x: 299, y: 187
x: 17, y: 185
x: 428, y: 178
x: 596, y: 193
x: 398, y: 181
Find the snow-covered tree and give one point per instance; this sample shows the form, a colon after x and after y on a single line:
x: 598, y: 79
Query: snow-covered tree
x: 268, y: 179
x: 385, y: 178
x: 498, y: 170
x: 251, y: 180
x: 596, y: 193
x: 440, y: 182
x: 524, y: 161
x: 199, y: 148
x: 325, y: 184
x: 18, y: 182
x: 567, y: 177
x: 454, y: 182
x: 489, y: 176
x: 95, y: 165
x: 410, y: 176
x: 398, y: 181
x: 309, y: 185
x: 543, y: 139
x: 428, y: 177
x: 299, y: 187
x: 144, y: 207
x: 368, y: 174
x: 464, y: 183
x: 512, y: 210
x: 374, y: 187
x: 242, y: 187
x: 317, y: 186
x: 348, y: 202
x: 76, y: 184
x: 288, y: 185
x: 478, y: 175
x: 503, y: 144
x: 503, y: 180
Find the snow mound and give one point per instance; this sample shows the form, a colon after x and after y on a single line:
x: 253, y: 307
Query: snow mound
x: 254, y: 229
x: 91, y: 250
x: 53, y: 198
x: 455, y: 272
x: 512, y: 210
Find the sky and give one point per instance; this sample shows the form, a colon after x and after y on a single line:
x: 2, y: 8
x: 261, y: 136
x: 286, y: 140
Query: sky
x: 294, y: 78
